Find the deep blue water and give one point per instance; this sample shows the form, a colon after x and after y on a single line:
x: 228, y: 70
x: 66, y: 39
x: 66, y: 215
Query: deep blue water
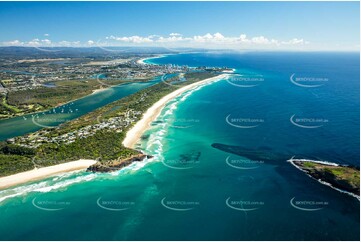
x: 193, y: 191
x: 276, y: 99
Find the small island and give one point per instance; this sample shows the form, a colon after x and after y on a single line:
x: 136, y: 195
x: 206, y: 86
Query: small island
x: 343, y: 178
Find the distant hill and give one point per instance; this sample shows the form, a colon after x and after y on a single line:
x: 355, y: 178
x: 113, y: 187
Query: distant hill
x: 69, y: 52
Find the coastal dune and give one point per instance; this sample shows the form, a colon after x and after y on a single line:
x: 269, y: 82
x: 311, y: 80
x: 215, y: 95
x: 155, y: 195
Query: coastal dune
x: 134, y: 134
x: 44, y: 172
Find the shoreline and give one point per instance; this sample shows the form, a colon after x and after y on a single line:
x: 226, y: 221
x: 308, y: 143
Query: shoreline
x: 132, y: 137
x: 320, y: 180
x: 141, y: 61
x: 44, y: 172
x: 135, y: 133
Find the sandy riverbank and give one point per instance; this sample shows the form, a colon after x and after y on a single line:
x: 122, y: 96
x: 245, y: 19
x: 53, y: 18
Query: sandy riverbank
x: 44, y: 172
x: 134, y: 134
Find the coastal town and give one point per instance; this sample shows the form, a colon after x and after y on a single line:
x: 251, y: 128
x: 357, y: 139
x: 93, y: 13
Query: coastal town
x: 28, y: 74
x: 115, y: 124
x: 96, y: 133
x: 36, y: 84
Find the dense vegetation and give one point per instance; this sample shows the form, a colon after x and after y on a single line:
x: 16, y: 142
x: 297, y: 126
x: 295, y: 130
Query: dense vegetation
x: 14, y: 159
x: 103, y: 145
x: 346, y: 178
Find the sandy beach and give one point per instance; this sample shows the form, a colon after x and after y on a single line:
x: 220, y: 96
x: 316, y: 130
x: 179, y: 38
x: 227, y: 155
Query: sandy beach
x: 141, y: 61
x: 44, y: 172
x: 134, y: 134
x: 132, y: 137
x: 98, y: 90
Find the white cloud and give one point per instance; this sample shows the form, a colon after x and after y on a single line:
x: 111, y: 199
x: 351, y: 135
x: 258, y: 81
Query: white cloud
x: 175, y: 34
x: 208, y: 40
x: 260, y: 40
x: 46, y: 35
x: 295, y: 41
x: 133, y: 39
x: 65, y: 43
x: 46, y: 41
x: 13, y: 43
x: 34, y: 42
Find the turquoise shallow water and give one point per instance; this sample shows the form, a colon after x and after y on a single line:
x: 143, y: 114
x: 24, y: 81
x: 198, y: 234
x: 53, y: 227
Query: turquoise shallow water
x: 193, y: 191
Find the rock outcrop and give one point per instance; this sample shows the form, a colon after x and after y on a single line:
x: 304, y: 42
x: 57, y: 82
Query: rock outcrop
x: 116, y: 164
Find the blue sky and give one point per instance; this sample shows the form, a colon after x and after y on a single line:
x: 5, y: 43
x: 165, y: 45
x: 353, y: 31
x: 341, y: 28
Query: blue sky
x: 248, y: 25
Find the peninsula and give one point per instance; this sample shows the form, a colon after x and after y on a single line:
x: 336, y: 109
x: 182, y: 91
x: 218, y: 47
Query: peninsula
x: 340, y: 177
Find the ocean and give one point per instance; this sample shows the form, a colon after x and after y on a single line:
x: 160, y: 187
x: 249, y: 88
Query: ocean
x: 220, y: 169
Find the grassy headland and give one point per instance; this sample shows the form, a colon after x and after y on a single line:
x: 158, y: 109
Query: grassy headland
x: 346, y: 178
